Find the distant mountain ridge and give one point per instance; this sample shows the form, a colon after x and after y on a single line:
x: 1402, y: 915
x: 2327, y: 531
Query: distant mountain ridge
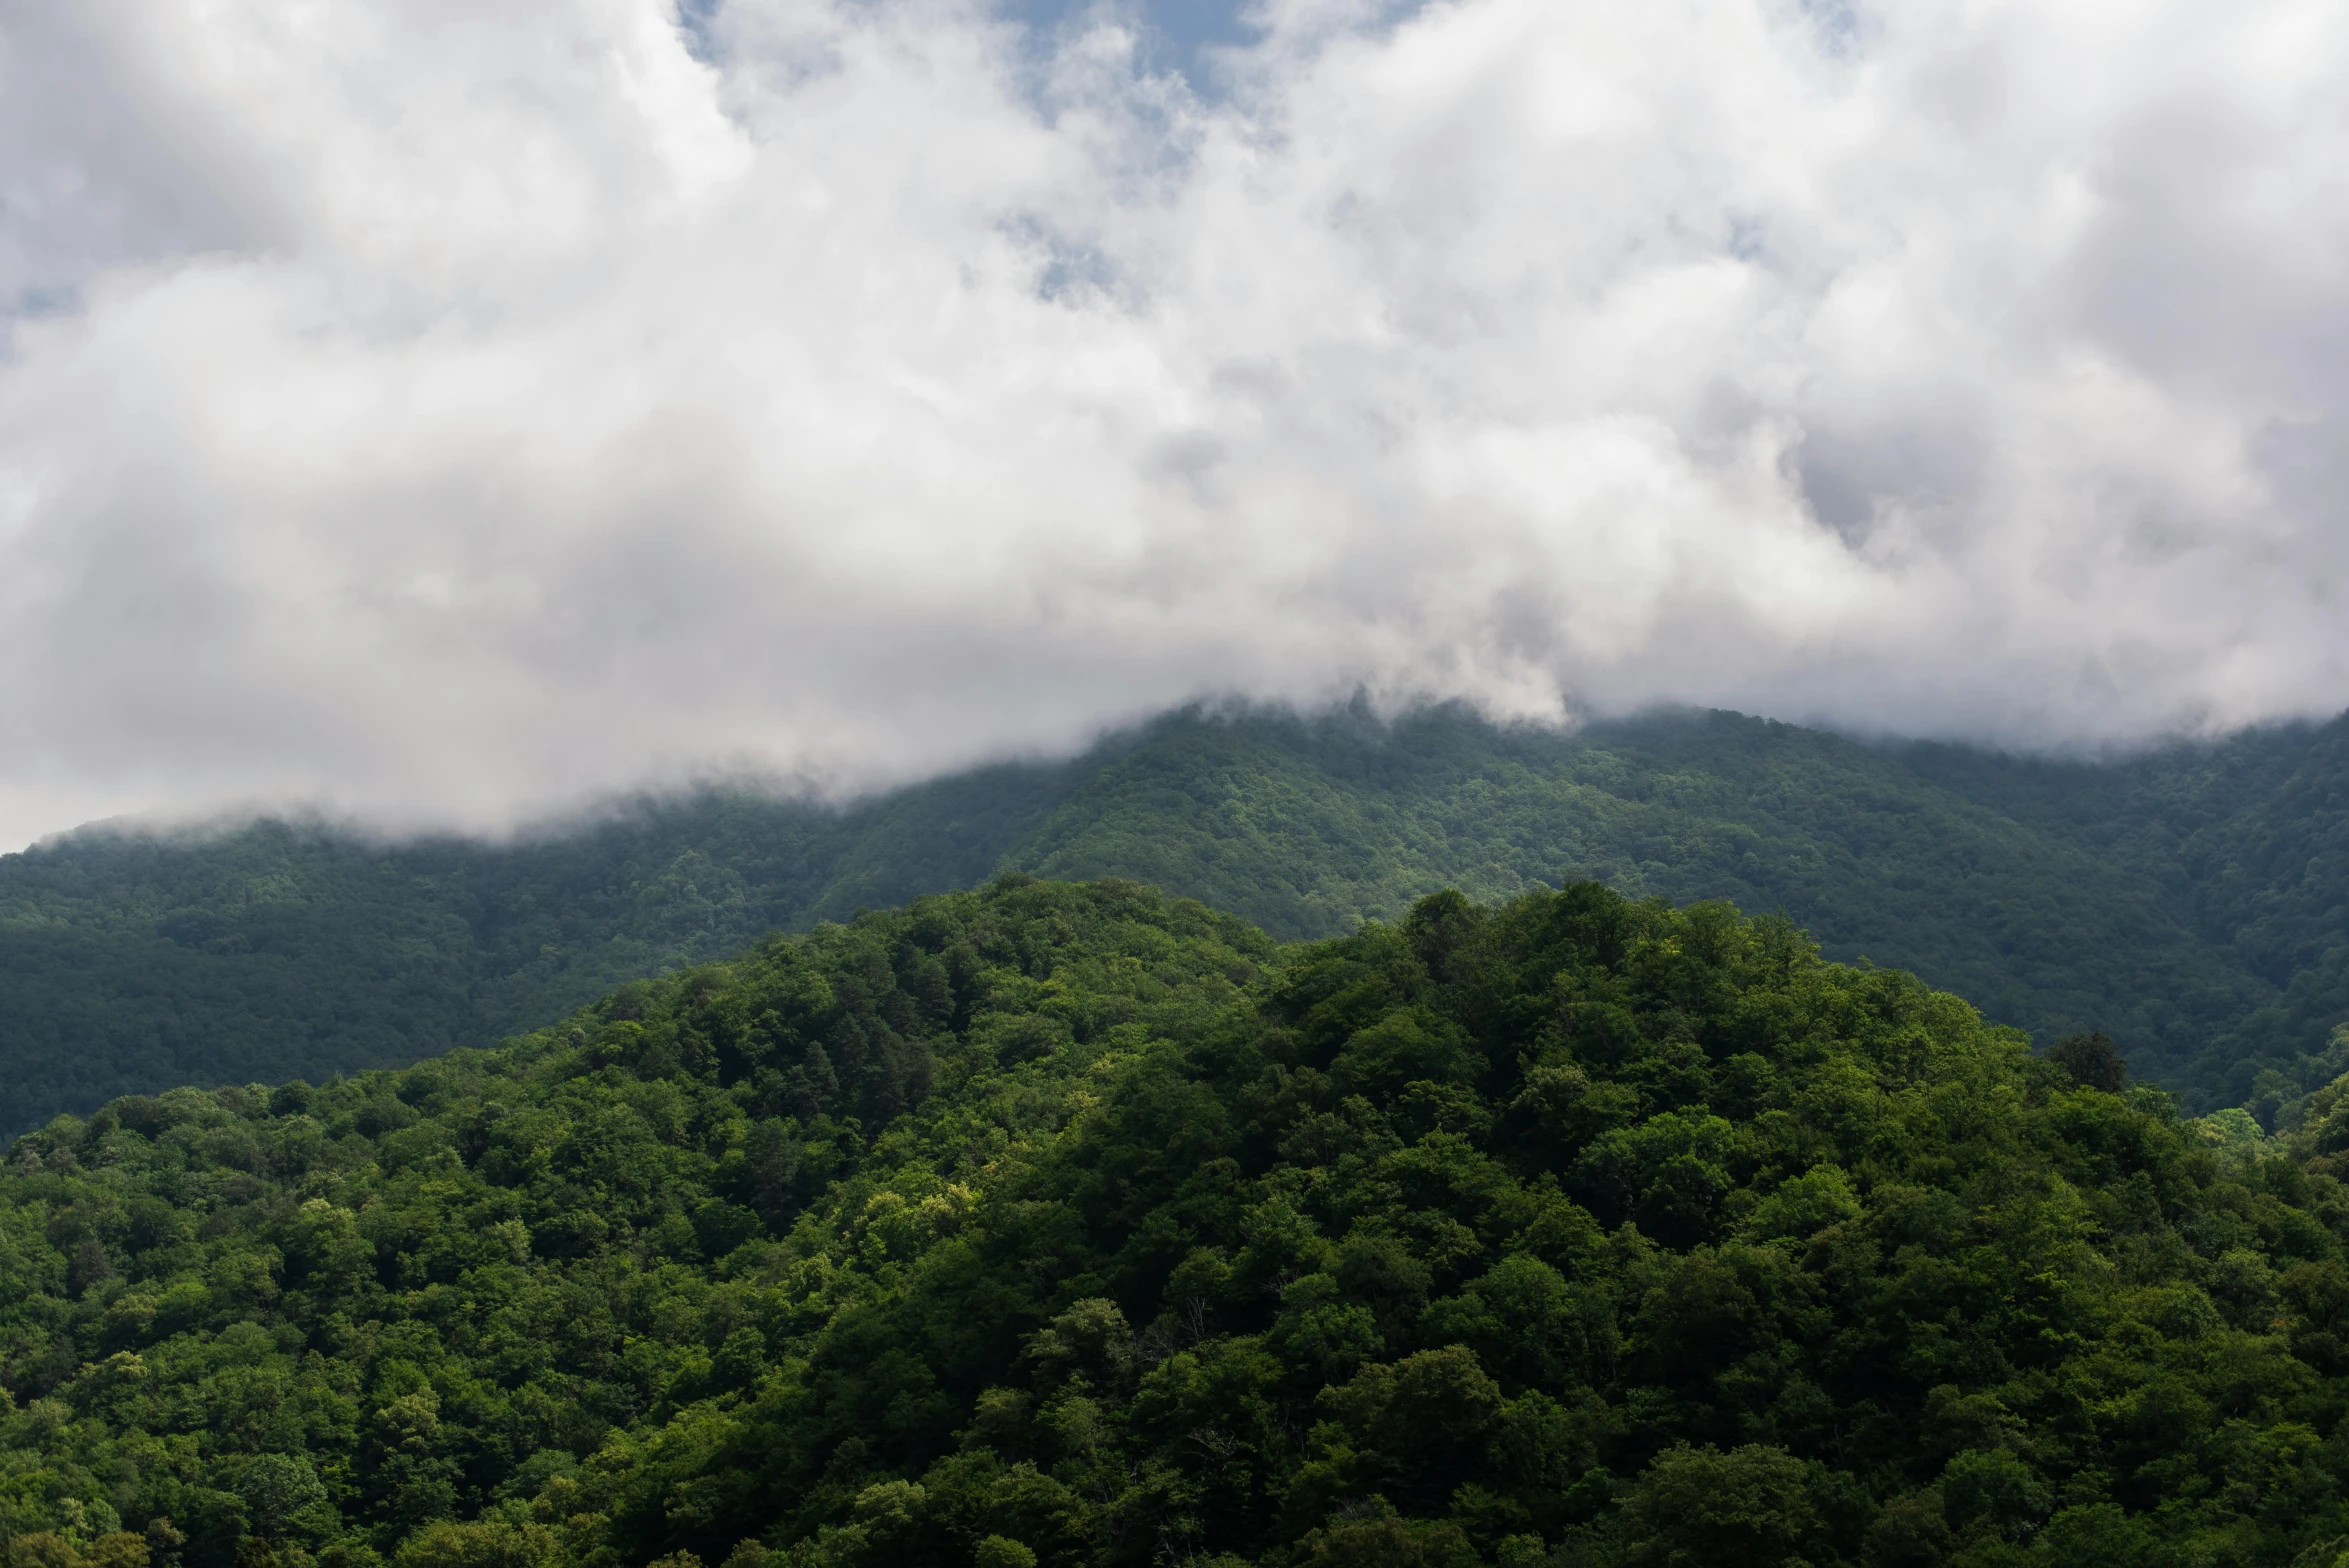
x: 2193, y: 902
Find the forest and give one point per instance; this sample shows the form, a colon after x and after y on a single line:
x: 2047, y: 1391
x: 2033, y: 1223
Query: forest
x: 1057, y: 1224
x: 2192, y: 902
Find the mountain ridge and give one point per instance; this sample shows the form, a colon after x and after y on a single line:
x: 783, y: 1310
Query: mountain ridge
x: 2188, y: 902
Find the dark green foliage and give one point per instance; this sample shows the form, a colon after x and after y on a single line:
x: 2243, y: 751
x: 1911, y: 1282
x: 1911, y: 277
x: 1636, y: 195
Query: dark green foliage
x: 1567, y: 1231
x: 2193, y: 904
x: 2249, y: 842
x: 2091, y: 1060
x: 130, y: 963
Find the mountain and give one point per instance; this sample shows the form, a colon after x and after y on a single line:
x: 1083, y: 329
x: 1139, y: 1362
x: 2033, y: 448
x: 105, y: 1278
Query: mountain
x: 2193, y: 903
x: 1069, y: 1226
x: 2249, y: 842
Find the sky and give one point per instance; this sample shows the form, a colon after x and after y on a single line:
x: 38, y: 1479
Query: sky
x: 444, y: 412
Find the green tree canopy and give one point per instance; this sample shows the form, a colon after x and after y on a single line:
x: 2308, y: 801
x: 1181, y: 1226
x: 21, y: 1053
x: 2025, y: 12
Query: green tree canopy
x: 1076, y: 1225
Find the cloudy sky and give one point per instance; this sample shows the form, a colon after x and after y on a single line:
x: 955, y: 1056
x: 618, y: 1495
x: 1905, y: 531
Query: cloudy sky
x: 447, y: 410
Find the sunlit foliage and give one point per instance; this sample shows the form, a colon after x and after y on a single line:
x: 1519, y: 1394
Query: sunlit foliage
x: 1066, y: 1224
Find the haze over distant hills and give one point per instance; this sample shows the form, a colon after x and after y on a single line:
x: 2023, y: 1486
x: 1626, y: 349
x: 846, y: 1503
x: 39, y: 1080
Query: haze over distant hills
x: 2193, y: 902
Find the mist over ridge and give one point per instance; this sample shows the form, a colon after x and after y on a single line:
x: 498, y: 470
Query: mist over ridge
x: 451, y: 416
x: 2190, y: 902
x: 1210, y: 783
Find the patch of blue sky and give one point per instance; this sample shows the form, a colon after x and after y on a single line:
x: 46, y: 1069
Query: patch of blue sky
x: 1184, y: 36
x: 1177, y: 34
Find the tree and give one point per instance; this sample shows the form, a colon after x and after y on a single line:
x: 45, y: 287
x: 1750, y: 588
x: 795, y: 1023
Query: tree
x: 1701, y: 1508
x: 2092, y: 1060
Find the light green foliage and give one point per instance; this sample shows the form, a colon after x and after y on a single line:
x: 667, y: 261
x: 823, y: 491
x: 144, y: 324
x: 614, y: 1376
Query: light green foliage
x: 998, y: 1551
x: 2193, y: 903
x: 2234, y: 1130
x: 1064, y: 1225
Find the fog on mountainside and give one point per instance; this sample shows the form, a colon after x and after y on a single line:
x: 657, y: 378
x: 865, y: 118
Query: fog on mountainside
x: 1174, y: 784
x: 2191, y: 903
x: 445, y: 413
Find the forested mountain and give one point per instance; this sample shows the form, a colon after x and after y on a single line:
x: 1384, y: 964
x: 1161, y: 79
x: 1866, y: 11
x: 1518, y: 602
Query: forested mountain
x: 1057, y: 1225
x: 2249, y: 842
x: 2194, y: 903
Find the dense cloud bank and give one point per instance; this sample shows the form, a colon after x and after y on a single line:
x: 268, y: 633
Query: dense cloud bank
x: 447, y: 410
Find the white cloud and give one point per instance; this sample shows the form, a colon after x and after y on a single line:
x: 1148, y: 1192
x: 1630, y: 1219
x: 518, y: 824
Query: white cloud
x: 447, y: 410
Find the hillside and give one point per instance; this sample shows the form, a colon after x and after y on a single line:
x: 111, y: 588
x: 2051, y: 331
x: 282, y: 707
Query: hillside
x: 2249, y: 842
x: 1060, y: 1225
x: 2194, y: 904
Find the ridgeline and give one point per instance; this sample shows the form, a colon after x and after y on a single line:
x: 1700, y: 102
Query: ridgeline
x: 2194, y: 903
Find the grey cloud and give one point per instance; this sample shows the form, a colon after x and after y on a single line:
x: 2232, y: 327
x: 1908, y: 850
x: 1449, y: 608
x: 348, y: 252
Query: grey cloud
x: 445, y: 412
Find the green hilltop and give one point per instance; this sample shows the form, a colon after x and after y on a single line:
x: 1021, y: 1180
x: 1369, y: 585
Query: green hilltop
x: 2193, y: 903
x: 1058, y: 1225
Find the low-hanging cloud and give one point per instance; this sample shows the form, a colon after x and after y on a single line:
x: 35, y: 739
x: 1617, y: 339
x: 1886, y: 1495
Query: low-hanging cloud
x: 447, y: 410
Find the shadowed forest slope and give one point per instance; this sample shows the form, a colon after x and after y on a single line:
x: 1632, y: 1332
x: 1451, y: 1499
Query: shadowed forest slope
x: 2194, y: 903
